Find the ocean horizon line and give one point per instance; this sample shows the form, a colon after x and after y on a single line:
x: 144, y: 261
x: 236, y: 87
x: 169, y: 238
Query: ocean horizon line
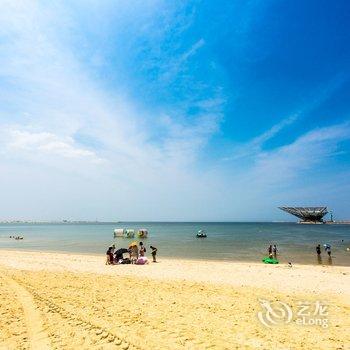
x: 140, y: 221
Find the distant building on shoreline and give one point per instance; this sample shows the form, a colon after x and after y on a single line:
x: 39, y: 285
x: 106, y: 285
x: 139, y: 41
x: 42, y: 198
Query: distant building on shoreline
x: 308, y: 215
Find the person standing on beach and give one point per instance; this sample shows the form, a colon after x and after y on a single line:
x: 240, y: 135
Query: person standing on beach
x: 328, y: 249
x: 154, y: 253
x: 134, y: 253
x: 318, y: 250
x: 274, y: 250
x: 142, y: 249
x: 270, y: 251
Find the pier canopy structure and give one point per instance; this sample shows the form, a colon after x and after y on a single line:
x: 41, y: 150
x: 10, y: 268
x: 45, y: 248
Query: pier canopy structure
x: 307, y: 215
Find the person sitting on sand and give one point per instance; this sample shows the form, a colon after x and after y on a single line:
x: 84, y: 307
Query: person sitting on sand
x: 142, y: 249
x: 154, y: 253
x: 142, y: 260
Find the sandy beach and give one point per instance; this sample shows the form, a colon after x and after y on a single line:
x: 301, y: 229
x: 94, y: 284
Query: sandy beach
x: 70, y: 301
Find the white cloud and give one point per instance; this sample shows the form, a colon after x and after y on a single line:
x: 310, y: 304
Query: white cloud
x: 177, y: 64
x: 254, y: 146
x: 311, y: 149
x: 49, y: 97
x: 47, y: 143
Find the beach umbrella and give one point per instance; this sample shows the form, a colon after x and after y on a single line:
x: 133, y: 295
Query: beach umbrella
x: 121, y: 251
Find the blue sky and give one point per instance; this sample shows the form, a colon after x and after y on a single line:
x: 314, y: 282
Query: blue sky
x: 173, y: 110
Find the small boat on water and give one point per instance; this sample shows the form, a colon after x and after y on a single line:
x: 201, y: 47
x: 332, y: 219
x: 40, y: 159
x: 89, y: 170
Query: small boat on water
x: 119, y: 232
x: 201, y: 234
x: 143, y: 233
x: 130, y: 233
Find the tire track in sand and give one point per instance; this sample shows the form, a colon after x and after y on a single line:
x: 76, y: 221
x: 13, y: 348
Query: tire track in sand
x: 38, y: 339
x: 97, y: 333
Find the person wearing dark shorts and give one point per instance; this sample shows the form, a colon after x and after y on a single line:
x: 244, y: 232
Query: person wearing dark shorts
x: 274, y: 250
x: 154, y: 253
x: 318, y: 249
x: 270, y: 251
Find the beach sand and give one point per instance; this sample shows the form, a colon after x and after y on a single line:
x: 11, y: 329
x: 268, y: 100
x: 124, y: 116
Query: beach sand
x: 71, y: 301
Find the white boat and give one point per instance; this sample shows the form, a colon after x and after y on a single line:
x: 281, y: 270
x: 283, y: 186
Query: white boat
x: 119, y: 232
x: 130, y: 233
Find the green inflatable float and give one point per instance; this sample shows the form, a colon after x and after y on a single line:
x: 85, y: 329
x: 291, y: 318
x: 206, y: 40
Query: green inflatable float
x: 268, y: 260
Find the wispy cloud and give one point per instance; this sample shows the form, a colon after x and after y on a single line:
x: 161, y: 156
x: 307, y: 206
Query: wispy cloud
x: 293, y: 160
x: 255, y: 145
x: 114, y: 156
x: 177, y: 64
x: 47, y: 143
x: 51, y: 100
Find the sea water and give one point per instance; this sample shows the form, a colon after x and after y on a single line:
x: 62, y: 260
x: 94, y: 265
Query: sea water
x: 226, y: 241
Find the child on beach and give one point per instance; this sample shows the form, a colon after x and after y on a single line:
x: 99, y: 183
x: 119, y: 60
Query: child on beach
x: 154, y: 253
